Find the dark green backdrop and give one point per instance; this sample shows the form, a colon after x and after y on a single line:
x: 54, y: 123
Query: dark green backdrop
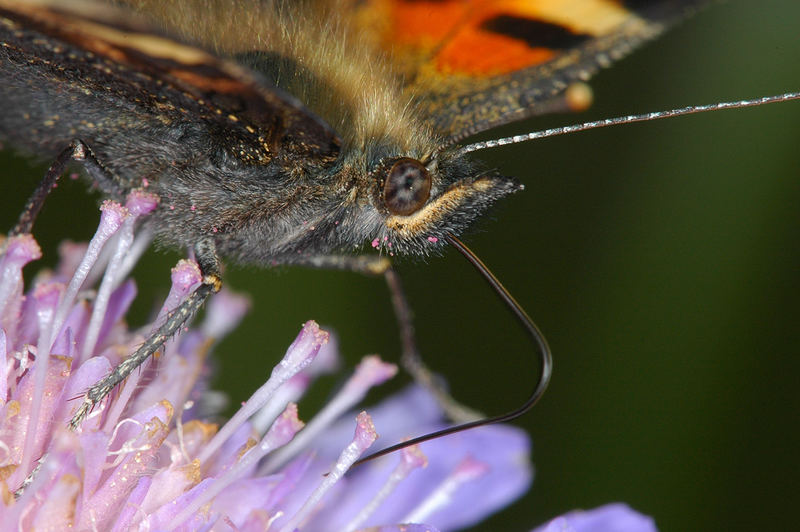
x: 661, y: 260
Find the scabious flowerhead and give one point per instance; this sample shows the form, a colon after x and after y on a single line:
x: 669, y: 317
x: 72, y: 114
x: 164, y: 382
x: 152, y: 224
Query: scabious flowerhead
x: 148, y: 458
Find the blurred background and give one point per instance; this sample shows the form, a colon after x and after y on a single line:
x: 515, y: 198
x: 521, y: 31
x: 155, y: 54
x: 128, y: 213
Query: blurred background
x: 661, y: 260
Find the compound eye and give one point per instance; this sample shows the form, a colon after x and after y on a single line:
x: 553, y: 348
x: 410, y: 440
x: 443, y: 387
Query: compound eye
x: 407, y: 187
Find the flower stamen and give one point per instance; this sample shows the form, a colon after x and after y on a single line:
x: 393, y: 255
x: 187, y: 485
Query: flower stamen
x: 370, y: 372
x: 111, y: 218
x: 363, y: 438
x: 19, y: 251
x: 139, y: 203
x: 281, y: 432
x: 468, y: 469
x: 299, y: 355
x: 411, y: 458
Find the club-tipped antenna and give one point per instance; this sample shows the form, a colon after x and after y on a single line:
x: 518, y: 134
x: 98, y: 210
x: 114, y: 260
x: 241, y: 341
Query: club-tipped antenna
x: 629, y: 119
x: 543, y: 350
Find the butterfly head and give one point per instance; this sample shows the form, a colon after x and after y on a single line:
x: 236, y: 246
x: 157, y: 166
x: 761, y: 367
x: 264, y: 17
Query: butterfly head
x: 422, y: 200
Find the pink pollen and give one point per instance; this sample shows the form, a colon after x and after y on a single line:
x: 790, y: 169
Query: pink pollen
x: 112, y: 215
x: 140, y: 202
x: 307, y: 344
x: 376, y: 243
x: 412, y: 457
x: 433, y: 239
x: 365, y: 434
x: 285, y: 427
x: 370, y: 371
x: 22, y: 249
x: 185, y: 274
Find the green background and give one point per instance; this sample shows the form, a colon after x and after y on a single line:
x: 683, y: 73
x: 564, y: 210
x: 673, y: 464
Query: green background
x: 661, y: 260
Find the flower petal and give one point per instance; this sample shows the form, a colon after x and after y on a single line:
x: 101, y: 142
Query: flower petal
x: 614, y: 517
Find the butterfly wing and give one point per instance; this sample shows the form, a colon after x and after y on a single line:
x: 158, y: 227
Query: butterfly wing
x: 475, y: 64
x: 95, y: 57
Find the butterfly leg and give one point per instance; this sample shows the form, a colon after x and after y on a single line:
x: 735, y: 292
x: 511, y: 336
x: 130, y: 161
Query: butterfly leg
x: 206, y: 255
x: 76, y: 151
x: 410, y: 359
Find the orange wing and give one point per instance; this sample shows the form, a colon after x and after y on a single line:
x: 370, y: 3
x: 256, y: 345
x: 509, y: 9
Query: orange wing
x: 475, y: 64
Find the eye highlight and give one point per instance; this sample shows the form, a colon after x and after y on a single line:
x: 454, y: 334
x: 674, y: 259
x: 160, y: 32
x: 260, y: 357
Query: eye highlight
x: 407, y: 187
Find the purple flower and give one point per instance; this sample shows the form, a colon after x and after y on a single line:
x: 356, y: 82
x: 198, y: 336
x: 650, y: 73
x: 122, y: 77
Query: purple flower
x: 148, y: 459
x: 609, y: 518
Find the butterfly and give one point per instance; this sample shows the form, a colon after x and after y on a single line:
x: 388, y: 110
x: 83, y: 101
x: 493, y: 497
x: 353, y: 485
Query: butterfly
x: 449, y: 126
x: 246, y: 171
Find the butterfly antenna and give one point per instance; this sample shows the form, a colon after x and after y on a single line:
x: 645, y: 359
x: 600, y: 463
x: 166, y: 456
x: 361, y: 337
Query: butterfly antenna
x: 657, y: 115
x: 543, y: 350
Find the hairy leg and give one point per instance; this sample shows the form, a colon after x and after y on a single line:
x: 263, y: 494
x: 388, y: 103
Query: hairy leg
x: 206, y: 256
x: 76, y: 151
